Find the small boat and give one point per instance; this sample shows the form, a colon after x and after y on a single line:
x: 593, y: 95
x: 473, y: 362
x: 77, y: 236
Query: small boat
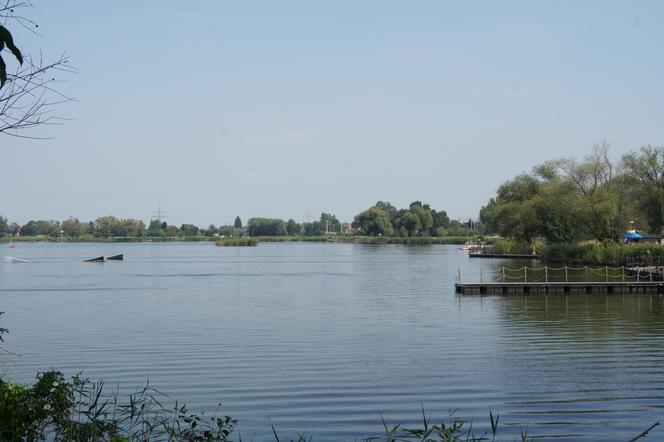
x: 12, y: 259
x: 97, y: 259
x: 119, y: 257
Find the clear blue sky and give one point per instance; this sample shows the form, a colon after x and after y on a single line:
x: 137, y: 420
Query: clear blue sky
x: 219, y: 108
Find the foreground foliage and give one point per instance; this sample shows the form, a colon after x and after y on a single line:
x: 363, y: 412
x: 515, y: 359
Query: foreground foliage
x: 57, y: 409
x: 79, y: 410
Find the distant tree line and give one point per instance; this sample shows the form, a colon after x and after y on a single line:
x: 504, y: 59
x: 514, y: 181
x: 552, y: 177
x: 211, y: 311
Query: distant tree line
x: 110, y: 226
x: 382, y: 219
x: 327, y: 224
x: 419, y: 219
x: 566, y: 200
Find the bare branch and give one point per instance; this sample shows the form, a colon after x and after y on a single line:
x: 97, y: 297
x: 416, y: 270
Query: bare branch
x: 30, y: 95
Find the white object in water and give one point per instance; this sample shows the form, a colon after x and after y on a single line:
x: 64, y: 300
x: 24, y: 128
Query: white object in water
x: 12, y: 259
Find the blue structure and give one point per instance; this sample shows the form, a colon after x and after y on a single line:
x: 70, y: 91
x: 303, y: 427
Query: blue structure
x: 632, y: 237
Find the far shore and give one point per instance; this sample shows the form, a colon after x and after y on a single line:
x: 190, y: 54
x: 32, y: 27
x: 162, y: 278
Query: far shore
x: 353, y: 239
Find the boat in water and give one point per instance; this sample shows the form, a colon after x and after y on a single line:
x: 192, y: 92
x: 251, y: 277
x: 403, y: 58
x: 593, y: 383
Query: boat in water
x: 12, y: 259
x: 97, y: 259
x: 119, y: 257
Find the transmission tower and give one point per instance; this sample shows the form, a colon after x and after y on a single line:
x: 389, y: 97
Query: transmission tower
x: 159, y: 214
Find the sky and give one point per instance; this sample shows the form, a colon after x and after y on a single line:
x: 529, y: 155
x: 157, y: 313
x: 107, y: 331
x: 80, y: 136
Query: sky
x: 214, y: 109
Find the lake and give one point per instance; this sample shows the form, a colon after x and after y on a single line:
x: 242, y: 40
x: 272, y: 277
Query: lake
x: 326, y: 338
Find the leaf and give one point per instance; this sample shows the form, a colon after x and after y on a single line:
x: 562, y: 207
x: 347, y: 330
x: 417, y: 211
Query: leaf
x: 3, y: 72
x: 7, y: 39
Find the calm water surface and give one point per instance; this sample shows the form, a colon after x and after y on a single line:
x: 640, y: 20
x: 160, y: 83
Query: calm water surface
x: 325, y: 338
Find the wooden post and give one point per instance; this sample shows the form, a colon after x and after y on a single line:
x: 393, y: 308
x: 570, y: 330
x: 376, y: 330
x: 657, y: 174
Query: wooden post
x: 481, y: 276
x: 622, y: 268
x: 606, y: 273
x: 650, y: 271
x: 525, y: 274
x: 565, y: 274
x: 503, y: 274
x: 459, y: 274
x: 586, y: 273
x: 638, y: 273
x: 546, y: 274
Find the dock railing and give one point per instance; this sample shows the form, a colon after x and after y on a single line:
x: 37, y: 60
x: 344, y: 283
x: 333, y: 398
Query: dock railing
x: 566, y: 274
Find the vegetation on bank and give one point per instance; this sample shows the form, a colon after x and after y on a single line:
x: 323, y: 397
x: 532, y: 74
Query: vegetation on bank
x: 567, y: 201
x: 606, y: 252
x: 567, y: 210
x: 237, y: 242
x: 361, y: 239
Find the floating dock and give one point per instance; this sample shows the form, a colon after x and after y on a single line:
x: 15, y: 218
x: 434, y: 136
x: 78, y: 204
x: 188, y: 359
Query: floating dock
x: 521, y: 288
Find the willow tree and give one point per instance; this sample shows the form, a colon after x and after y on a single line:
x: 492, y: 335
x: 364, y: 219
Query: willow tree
x: 28, y: 84
x: 594, y: 181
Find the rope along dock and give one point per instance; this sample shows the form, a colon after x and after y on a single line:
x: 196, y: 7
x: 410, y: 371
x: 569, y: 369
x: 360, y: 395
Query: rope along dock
x: 525, y: 280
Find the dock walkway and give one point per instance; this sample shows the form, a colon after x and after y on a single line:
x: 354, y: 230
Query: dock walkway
x: 519, y: 288
x: 527, y: 280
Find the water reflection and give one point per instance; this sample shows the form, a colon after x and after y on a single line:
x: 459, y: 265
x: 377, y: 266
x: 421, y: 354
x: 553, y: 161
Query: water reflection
x: 579, y: 362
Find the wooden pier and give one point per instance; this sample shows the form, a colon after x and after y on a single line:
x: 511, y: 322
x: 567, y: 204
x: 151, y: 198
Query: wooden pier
x: 524, y: 288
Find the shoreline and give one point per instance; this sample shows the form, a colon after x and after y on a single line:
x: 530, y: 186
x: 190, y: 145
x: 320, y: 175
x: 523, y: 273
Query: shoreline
x: 348, y: 239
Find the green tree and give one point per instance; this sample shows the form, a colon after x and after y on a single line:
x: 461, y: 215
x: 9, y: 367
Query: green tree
x: 238, y: 223
x: 154, y: 229
x: 292, y: 227
x: 409, y: 223
x: 189, y: 230
x: 266, y: 227
x: 423, y: 214
x: 374, y: 221
x: 4, y: 226
x: 31, y: 228
x: 106, y: 227
x: 644, y: 171
x: 329, y: 223
x: 593, y: 180
x: 73, y: 228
